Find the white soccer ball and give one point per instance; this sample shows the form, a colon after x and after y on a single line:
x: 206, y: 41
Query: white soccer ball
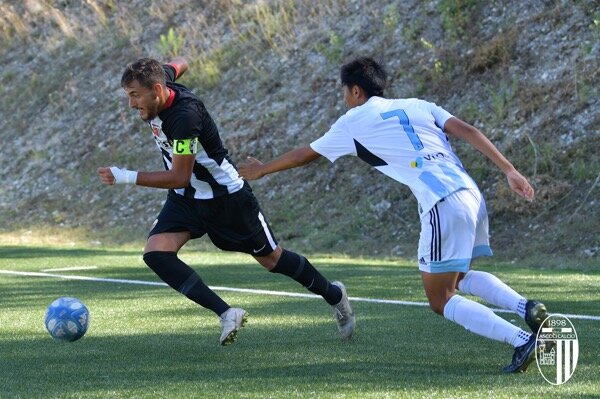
x: 67, y: 319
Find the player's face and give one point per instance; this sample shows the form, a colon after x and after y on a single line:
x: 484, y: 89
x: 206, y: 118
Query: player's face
x: 145, y: 100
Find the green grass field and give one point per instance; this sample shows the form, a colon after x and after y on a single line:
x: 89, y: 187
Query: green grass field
x: 150, y: 342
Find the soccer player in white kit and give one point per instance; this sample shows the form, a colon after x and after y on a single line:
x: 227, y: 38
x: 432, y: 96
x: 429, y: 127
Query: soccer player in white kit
x: 407, y: 139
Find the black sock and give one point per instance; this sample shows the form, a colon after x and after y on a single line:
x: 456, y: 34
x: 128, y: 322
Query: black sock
x: 299, y: 268
x: 184, y: 279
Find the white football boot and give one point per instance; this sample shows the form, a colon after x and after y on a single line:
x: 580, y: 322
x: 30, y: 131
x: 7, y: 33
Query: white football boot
x: 231, y: 321
x: 343, y: 313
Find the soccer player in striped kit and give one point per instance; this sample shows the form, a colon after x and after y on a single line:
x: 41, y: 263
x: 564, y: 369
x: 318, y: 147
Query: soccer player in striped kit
x: 407, y: 139
x: 206, y: 196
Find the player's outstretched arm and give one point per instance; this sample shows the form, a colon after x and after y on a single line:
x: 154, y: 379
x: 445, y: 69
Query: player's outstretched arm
x: 180, y: 65
x: 517, y: 182
x: 255, y: 169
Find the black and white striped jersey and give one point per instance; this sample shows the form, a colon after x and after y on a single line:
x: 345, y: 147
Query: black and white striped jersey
x: 185, y: 117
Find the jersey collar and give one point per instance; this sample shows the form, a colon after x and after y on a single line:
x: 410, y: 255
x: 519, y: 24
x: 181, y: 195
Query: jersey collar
x: 170, y: 99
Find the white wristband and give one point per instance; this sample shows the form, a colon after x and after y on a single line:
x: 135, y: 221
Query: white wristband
x: 123, y: 176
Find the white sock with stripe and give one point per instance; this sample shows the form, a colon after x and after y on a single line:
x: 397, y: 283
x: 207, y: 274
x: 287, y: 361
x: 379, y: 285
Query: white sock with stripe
x: 492, y: 290
x: 482, y: 321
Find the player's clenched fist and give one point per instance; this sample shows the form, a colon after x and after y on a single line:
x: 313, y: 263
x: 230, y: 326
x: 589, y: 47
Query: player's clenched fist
x: 106, y: 176
x: 115, y: 175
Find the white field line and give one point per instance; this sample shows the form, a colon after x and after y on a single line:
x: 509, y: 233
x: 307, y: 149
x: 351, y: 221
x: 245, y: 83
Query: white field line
x: 66, y: 269
x: 254, y: 291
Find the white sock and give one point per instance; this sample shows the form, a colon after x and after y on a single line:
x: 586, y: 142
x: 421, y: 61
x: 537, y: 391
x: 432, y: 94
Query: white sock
x: 492, y: 290
x: 482, y: 321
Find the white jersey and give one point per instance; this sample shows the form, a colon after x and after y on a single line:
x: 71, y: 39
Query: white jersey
x: 404, y: 139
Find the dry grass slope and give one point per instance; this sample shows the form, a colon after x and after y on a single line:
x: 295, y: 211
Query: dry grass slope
x: 525, y: 73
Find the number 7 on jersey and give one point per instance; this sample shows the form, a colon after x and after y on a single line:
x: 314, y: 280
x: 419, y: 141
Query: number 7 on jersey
x: 408, y: 129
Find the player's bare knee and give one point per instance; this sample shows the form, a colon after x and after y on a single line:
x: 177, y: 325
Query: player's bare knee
x: 270, y: 261
x: 437, y: 306
x: 266, y: 262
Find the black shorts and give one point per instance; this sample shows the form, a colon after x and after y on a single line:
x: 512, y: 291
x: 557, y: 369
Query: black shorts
x: 234, y: 222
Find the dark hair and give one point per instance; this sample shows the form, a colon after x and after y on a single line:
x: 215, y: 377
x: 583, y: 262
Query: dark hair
x: 146, y: 71
x: 365, y: 73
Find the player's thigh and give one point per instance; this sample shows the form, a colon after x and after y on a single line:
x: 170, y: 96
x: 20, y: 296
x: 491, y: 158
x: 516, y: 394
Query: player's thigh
x: 439, y: 288
x: 439, y: 283
x: 242, y: 227
x: 175, y: 225
x: 167, y: 242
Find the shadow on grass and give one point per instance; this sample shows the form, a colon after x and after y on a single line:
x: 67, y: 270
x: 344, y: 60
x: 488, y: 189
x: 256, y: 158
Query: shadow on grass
x: 29, y: 252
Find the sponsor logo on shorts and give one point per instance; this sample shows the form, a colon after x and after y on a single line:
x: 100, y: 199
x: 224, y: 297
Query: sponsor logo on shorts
x: 259, y: 249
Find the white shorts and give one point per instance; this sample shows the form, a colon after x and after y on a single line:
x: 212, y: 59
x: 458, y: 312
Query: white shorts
x: 454, y: 232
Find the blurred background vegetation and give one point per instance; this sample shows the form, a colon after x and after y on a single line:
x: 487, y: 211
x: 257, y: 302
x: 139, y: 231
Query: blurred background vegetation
x: 525, y: 73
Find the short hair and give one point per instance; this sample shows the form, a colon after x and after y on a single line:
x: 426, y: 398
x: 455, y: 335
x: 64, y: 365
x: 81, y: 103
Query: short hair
x: 146, y: 71
x: 365, y: 73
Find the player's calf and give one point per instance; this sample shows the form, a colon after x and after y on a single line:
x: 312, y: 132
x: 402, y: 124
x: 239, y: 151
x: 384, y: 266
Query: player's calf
x: 301, y: 270
x: 184, y: 279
